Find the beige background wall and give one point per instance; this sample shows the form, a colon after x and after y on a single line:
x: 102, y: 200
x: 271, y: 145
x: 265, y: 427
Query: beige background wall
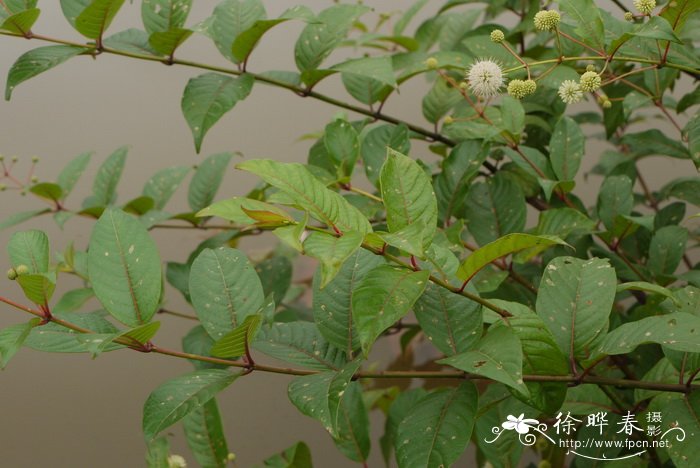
x: 71, y: 411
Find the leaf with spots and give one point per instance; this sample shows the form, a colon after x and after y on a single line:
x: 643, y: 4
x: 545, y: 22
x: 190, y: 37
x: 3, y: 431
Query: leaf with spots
x: 230, y: 19
x: 176, y: 398
x: 682, y: 412
x: 566, y: 148
x: 438, y: 428
x: 224, y: 289
x: 12, y: 338
x: 575, y: 300
x: 352, y: 433
x: 164, y: 15
x: 310, y: 194
x: 124, y: 268
x: 31, y: 249
x: 679, y: 331
x: 94, y: 20
x: 666, y: 249
x: 208, y: 97
x: 384, y: 296
x: 236, y: 342
x: 494, y: 208
x: 207, y: 180
x: 498, y: 356
x: 163, y: 185
x: 408, y: 195
x: 320, y: 396
x: 104, y: 187
x: 70, y: 174
x: 296, y: 456
x: 332, y: 305
x: 615, y: 198
x: 451, y: 322
x: 205, y: 435
x: 36, y: 61
x: 300, y: 343
x: 331, y: 251
x: 375, y: 144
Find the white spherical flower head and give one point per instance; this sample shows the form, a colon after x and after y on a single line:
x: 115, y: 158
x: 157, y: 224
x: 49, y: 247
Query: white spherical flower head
x: 570, y: 92
x: 590, y: 81
x: 485, y: 78
x: 176, y: 461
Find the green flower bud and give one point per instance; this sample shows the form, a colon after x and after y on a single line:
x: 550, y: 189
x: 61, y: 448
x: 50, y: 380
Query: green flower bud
x: 34, y: 179
x: 590, y: 67
x: 431, y: 63
x: 23, y: 193
x: 629, y: 16
x: 176, y: 461
x: 2, y: 158
x: 14, y: 159
x: 35, y: 159
x: 590, y: 81
x: 12, y: 274
x: 546, y: 20
x: 448, y: 120
x: 3, y: 187
x: 645, y: 7
x: 497, y: 36
x: 463, y: 85
x: 544, y: 464
x: 22, y: 270
x: 607, y: 104
x: 530, y: 86
x: 517, y: 89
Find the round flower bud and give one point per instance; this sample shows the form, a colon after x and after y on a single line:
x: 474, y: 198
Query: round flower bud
x: 645, y: 7
x: 590, y: 67
x: 176, y: 461
x: 34, y: 179
x: 544, y: 464
x: 231, y: 457
x: 35, y: 159
x: 12, y: 274
x: 517, y: 89
x: 3, y: 187
x: 570, y: 92
x: 22, y: 270
x: 23, y: 193
x: 629, y: 16
x: 14, y: 159
x: 497, y: 36
x: 448, y: 120
x: 530, y: 86
x: 463, y: 85
x: 546, y: 20
x: 431, y: 63
x: 607, y: 104
x: 590, y: 81
x: 2, y: 158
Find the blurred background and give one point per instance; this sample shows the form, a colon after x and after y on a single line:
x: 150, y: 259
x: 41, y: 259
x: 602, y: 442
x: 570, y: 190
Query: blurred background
x: 72, y: 411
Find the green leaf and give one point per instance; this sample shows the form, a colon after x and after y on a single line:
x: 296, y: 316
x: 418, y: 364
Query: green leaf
x: 207, y: 180
x: 408, y: 15
x: 296, y: 456
x: 276, y: 276
x: 205, y: 435
x: 494, y: 208
x: 22, y: 216
x: 70, y: 174
x: 438, y: 428
x: 562, y: 222
x: 506, y: 245
x: 331, y: 251
x: 300, y: 343
x: 230, y: 19
x: 332, y: 305
x: 130, y: 40
x: 164, y: 15
x: 104, y: 188
x: 198, y: 341
x: 575, y: 300
x: 234, y: 209
x: 39, y: 287
x: 47, y: 190
x: 96, y: 18
x: 566, y: 149
x: 353, y: 439
x: 384, y: 296
x: 310, y: 194
x: 589, y: 24
x: 513, y: 116
x: 614, y: 199
x: 225, y: 289
x: 72, y: 9
x: 235, y: 343
x: 176, y: 398
x: 318, y: 39
x: 399, y: 409
x: 163, y: 185
x: 541, y: 356
x: 678, y: 331
x: 647, y: 287
x: 12, y: 338
x: 654, y: 142
x: 408, y: 195
x: 125, y: 269
x: 320, y: 396
x: 166, y: 42
x: 451, y: 322
x: 53, y: 338
x: 379, y: 69
x: 158, y: 452
x: 375, y: 144
x: 29, y: 248
x: 409, y: 239
x: 291, y: 235
x: 73, y: 300
x: 96, y: 344
x: 247, y: 40
x: 678, y: 12
x: 683, y: 412
x: 666, y: 249
x: 343, y: 146
x: 36, y: 61
x: 692, y: 130
x: 498, y: 356
x: 208, y: 97
x: 22, y: 22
